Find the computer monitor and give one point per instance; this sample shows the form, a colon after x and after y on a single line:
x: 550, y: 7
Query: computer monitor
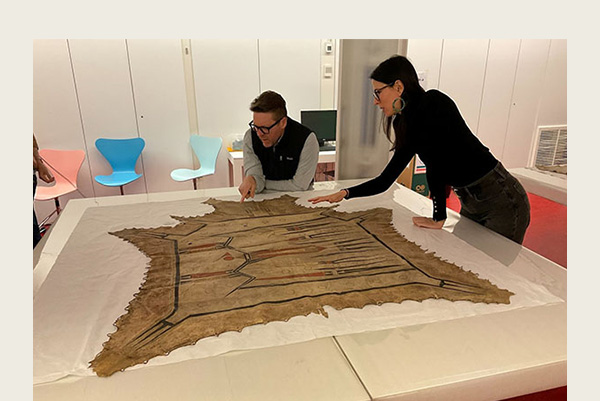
x: 321, y: 122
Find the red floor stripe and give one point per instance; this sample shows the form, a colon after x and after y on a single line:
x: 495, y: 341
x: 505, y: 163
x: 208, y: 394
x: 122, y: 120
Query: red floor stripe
x: 557, y: 394
x: 547, y: 232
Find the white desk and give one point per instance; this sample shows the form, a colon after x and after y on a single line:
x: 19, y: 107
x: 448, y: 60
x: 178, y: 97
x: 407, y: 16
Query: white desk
x: 236, y: 167
x: 484, y: 357
x: 327, y: 156
x: 236, y: 164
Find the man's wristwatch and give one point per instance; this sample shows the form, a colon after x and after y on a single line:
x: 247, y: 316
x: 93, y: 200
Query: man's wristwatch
x: 347, y: 193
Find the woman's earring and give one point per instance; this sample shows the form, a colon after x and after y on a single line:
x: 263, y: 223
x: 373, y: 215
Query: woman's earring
x: 402, y: 105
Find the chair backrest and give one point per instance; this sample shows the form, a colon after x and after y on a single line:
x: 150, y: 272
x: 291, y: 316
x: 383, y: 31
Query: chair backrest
x: 64, y: 164
x: 206, y: 149
x: 122, y: 154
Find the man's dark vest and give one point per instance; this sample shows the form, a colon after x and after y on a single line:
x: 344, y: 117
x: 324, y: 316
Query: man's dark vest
x: 279, y: 162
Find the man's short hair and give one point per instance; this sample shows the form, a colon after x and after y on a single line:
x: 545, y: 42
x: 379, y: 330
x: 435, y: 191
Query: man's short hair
x: 269, y: 102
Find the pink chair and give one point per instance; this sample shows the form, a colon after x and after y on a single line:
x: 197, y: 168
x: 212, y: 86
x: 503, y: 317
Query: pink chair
x: 64, y: 165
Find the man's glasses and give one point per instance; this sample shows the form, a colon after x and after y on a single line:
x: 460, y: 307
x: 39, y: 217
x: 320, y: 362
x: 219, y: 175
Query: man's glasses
x: 377, y: 91
x: 264, y: 130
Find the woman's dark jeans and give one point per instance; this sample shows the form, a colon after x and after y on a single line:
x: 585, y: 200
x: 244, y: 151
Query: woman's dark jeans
x: 497, y: 201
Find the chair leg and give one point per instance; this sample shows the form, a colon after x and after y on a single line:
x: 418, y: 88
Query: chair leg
x: 195, y: 185
x: 56, y: 210
x: 57, y: 204
x: 121, y: 188
x: 43, y: 222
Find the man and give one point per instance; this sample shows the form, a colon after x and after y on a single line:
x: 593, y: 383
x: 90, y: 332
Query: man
x: 279, y: 153
x: 46, y: 176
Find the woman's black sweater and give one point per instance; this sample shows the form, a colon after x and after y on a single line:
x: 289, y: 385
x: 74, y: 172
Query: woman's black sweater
x: 452, y: 154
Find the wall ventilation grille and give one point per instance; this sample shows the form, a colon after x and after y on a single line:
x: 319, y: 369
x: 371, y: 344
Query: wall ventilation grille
x: 551, y: 146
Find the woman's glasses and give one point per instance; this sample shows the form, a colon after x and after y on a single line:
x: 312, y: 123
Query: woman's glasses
x: 377, y: 91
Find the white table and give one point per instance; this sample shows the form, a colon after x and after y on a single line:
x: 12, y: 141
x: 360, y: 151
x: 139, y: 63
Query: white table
x: 546, y: 184
x: 484, y: 357
x: 236, y: 167
x: 236, y: 164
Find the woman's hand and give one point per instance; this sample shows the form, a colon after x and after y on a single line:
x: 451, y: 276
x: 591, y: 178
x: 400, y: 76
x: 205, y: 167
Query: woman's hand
x: 427, y: 222
x: 333, y: 198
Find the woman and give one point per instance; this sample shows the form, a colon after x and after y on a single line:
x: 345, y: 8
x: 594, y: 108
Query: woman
x: 429, y: 124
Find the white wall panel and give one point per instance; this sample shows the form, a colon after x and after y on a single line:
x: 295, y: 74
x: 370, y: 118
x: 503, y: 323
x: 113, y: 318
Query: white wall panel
x: 84, y: 89
x: 160, y: 100
x: 292, y: 68
x: 226, y: 81
x: 327, y: 83
x: 529, y: 83
x: 497, y: 93
x: 56, y: 120
x: 425, y: 55
x: 103, y: 83
x: 553, y: 105
x: 462, y: 74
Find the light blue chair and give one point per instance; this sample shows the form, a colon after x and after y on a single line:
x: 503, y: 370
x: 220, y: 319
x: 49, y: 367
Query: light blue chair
x: 122, y: 155
x: 206, y: 150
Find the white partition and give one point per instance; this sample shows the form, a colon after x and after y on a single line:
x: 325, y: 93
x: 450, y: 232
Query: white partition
x: 528, y: 87
x: 497, y: 93
x: 56, y: 120
x: 292, y: 68
x: 462, y: 76
x: 86, y: 89
x: 161, y: 107
x: 117, y: 88
x: 553, y: 104
x: 425, y: 55
x: 553, y: 97
x: 362, y: 149
x: 103, y: 83
x: 226, y: 81
x: 329, y: 48
x: 504, y: 88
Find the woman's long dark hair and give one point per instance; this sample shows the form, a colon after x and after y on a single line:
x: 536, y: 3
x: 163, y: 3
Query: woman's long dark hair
x: 389, y: 71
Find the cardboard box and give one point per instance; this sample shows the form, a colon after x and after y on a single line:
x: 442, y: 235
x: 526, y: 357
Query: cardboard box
x: 414, y: 177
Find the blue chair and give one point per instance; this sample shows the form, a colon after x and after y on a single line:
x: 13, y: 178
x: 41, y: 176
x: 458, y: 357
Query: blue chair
x: 122, y: 155
x: 206, y: 150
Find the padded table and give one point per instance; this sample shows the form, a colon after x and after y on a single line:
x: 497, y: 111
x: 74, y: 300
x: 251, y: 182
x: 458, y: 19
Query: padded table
x: 492, y: 354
